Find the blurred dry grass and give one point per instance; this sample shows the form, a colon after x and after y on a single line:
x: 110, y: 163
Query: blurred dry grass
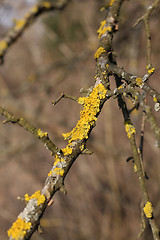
x: 56, y: 55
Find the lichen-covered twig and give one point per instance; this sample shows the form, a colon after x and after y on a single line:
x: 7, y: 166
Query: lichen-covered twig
x: 106, y: 66
x: 20, y: 25
x: 28, y: 220
x: 38, y: 133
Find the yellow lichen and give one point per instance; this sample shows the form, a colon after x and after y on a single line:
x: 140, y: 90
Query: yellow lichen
x: 88, y: 117
x: 130, y: 129
x: 3, y: 46
x: 104, y: 30
x: 46, y: 4
x: 19, y: 229
x: 99, y: 51
x: 111, y: 2
x: 41, y: 133
x: 20, y: 24
x: 37, y: 195
x: 102, y: 25
x: 148, y: 209
x: 50, y: 173
x: 58, y: 171
x: 151, y: 70
x: 135, y: 168
x: 120, y: 87
x: 67, y: 150
x: 107, y: 66
x: 155, y: 99
x: 139, y: 82
x: 34, y: 9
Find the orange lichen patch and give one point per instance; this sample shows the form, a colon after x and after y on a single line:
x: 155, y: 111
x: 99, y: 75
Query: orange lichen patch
x: 41, y: 133
x: 37, y: 195
x: 148, y: 209
x: 46, y: 4
x: 20, y: 24
x: 130, y: 129
x: 19, y: 229
x: 3, y: 46
x: 139, y: 82
x: 99, y: 51
x: 88, y: 117
x: 58, y: 171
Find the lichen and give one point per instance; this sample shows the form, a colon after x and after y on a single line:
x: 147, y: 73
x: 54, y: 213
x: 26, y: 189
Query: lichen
x: 58, y: 171
x: 139, y: 82
x: 20, y: 24
x: 99, y: 51
x: 19, y: 229
x: 67, y: 150
x: 130, y: 129
x: 102, y: 25
x: 148, y: 209
x: 154, y: 98
x: 58, y: 160
x: 41, y: 134
x: 111, y: 2
x: 135, y: 168
x: 103, y: 29
x: 34, y: 9
x: 46, y: 4
x: 91, y: 106
x: 3, y: 46
x: 37, y: 195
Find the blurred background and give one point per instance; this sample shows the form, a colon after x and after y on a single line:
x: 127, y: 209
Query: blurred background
x: 55, y: 55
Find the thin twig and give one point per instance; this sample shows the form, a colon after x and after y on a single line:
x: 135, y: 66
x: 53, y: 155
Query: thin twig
x: 63, y: 95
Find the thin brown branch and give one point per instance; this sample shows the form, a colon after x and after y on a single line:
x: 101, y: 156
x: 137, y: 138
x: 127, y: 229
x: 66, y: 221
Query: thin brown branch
x: 38, y: 133
x: 63, y: 95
